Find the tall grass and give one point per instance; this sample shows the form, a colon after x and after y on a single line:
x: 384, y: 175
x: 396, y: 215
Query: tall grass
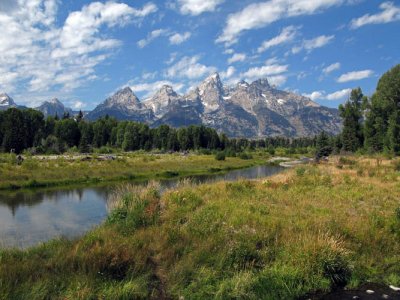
x: 67, y: 170
x: 297, y: 232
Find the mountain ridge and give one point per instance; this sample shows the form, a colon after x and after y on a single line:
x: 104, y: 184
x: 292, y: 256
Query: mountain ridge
x: 251, y: 110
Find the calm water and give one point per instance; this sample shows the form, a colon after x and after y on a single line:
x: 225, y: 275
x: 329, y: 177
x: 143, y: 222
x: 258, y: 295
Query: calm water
x: 30, y: 217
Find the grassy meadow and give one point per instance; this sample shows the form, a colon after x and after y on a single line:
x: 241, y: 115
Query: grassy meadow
x: 46, y: 171
x: 307, y: 229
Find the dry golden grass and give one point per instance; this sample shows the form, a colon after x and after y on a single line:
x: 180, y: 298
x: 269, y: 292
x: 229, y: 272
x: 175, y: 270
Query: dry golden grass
x: 306, y: 229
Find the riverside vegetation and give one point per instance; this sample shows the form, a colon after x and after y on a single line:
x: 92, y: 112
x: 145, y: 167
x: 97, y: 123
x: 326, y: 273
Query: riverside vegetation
x: 307, y: 229
x: 138, y: 166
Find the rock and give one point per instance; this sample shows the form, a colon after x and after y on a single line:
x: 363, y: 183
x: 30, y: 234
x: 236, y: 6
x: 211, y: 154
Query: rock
x: 394, y: 288
x: 370, y: 292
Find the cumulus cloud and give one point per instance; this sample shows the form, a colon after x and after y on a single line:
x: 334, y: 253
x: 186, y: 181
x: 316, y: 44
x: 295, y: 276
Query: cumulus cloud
x: 314, y: 43
x: 390, y: 13
x: 151, y: 37
x: 228, y: 73
x: 321, y: 95
x: 287, y: 34
x: 150, y: 88
x: 355, y: 75
x: 274, y: 73
x: 37, y: 52
x: 258, y: 15
x: 331, y: 68
x: 197, y: 7
x: 190, y: 68
x: 237, y: 57
x: 179, y: 38
x: 277, y: 80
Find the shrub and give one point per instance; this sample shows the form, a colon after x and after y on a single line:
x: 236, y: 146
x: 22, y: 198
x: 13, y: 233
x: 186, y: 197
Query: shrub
x: 245, y: 156
x: 300, y: 171
x: 346, y: 161
x: 220, y: 156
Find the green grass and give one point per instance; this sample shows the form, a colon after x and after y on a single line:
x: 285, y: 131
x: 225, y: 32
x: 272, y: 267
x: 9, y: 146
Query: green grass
x: 300, y: 231
x: 35, y: 172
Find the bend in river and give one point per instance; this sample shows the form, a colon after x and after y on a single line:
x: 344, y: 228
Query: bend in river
x: 30, y: 217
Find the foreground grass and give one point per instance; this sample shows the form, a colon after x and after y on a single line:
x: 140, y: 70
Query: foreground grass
x: 67, y: 170
x: 304, y: 230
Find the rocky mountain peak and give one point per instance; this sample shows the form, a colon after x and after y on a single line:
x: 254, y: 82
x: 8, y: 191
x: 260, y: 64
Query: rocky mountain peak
x: 242, y: 85
x: 53, y: 107
x: 211, y: 92
x: 6, y: 100
x: 54, y: 101
x: 124, y: 97
x: 261, y: 84
x: 167, y: 90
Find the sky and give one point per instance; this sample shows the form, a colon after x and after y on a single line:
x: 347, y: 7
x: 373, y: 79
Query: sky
x: 83, y: 51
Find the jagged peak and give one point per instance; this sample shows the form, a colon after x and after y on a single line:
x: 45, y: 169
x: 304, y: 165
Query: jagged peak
x: 214, y: 77
x: 125, y: 90
x: 242, y: 83
x: 262, y: 82
x: 54, y: 101
x: 166, y: 89
x: 6, y: 99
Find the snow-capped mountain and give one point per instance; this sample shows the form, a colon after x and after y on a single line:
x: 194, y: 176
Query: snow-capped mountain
x: 250, y: 110
x: 246, y: 110
x: 6, y: 102
x: 123, y: 105
x: 54, y: 107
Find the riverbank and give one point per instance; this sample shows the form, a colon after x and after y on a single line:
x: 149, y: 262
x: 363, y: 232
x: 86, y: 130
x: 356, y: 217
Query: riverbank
x: 306, y: 230
x: 66, y: 170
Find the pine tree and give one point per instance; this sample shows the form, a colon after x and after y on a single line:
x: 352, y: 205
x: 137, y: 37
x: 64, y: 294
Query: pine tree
x: 351, y: 112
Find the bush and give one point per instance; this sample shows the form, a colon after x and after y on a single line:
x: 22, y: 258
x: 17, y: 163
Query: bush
x: 245, y: 156
x: 300, y: 171
x: 220, y: 156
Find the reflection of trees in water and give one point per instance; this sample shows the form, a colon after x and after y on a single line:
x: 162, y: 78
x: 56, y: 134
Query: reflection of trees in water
x: 14, y: 200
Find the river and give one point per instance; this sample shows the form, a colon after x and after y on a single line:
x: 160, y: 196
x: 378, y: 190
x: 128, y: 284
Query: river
x: 29, y: 217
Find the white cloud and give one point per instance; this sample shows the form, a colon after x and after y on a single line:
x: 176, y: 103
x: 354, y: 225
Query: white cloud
x: 189, y: 67
x: 321, y: 95
x: 274, y: 73
x: 390, y: 13
x: 77, y: 105
x: 150, y: 88
x: 152, y: 36
x: 197, y: 7
x: 277, y: 80
x: 355, y: 75
x: 339, y: 95
x: 237, y: 57
x: 315, y: 95
x: 228, y: 73
x: 229, y: 51
x: 258, y: 15
x: 314, y: 43
x: 287, y: 34
x: 178, y: 38
x: 331, y: 68
x: 39, y: 55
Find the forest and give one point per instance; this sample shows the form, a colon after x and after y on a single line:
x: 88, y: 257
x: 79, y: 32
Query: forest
x: 370, y: 125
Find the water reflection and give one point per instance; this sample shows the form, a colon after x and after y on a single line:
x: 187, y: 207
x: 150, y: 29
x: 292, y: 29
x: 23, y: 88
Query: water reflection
x: 30, y: 217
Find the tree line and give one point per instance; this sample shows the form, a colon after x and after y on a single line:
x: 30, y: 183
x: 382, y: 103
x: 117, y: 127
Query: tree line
x: 28, y: 130
x: 370, y: 125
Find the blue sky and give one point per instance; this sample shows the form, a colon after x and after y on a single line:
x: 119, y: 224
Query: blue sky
x: 83, y: 51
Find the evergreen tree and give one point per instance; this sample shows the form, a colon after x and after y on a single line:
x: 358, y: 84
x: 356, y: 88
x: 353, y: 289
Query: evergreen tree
x: 323, y: 146
x: 383, y: 111
x: 351, y: 112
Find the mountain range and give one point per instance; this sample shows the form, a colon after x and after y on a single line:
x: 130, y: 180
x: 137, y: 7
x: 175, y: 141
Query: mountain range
x: 249, y: 110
